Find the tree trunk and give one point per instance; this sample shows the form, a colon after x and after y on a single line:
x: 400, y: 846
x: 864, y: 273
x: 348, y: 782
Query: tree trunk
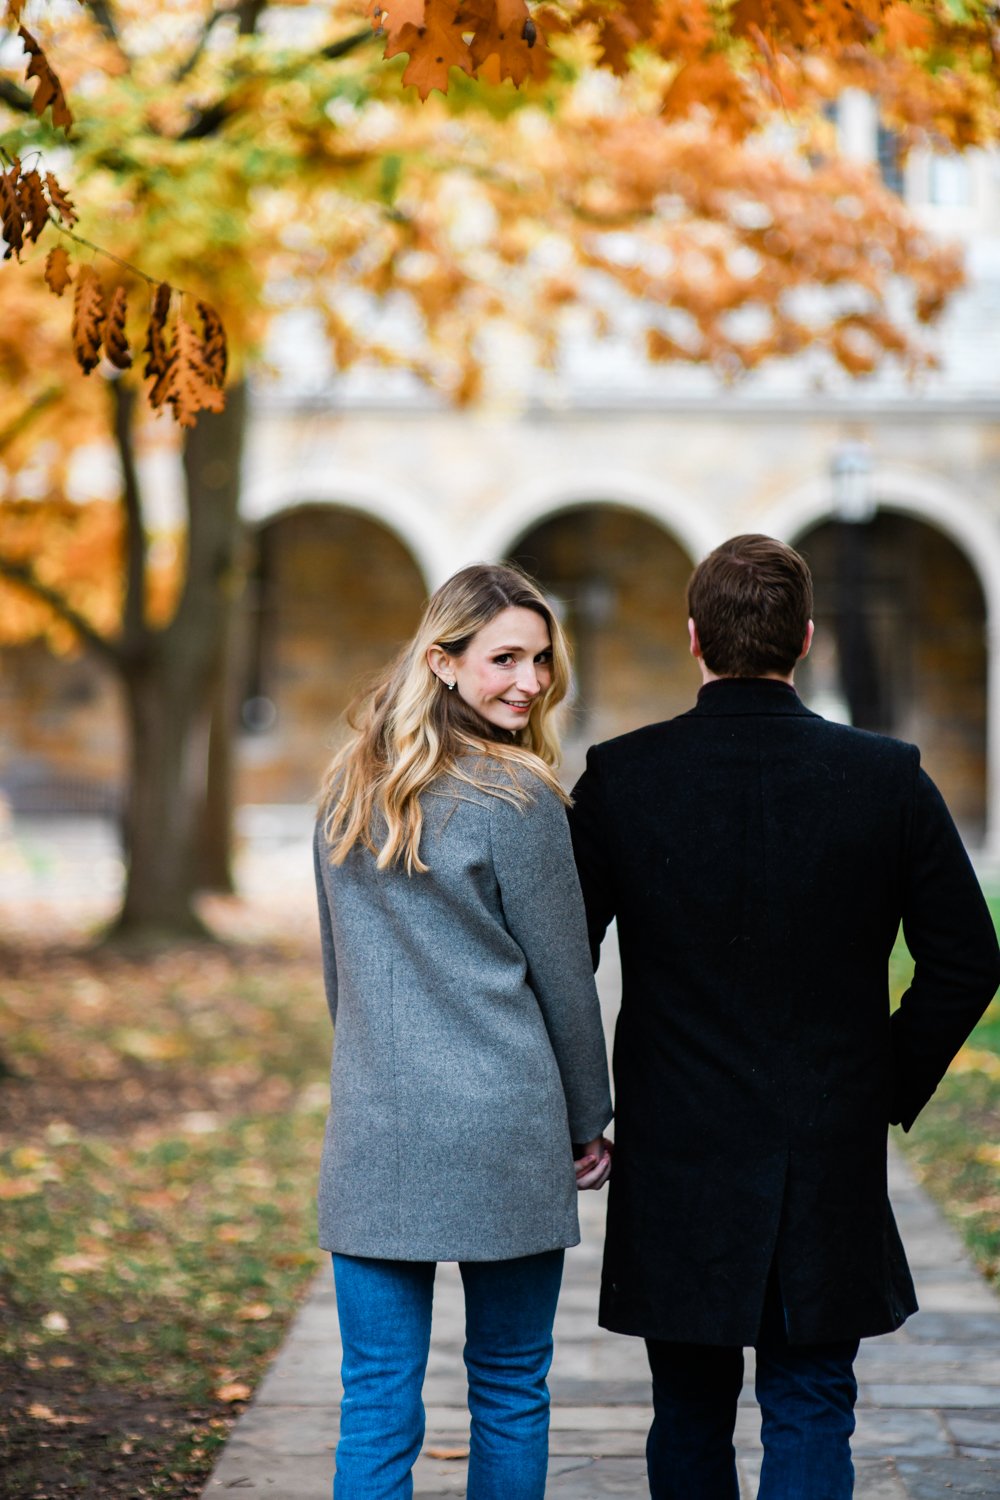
x: 168, y: 719
x: 215, y: 832
x: 170, y: 686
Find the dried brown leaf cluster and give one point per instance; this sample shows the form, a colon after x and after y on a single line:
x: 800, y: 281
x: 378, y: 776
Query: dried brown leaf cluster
x: 26, y: 205
x: 188, y: 370
x: 932, y: 68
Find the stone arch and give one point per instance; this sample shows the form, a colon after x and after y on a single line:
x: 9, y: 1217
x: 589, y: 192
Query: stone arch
x: 407, y: 513
x: 554, y: 494
x: 928, y: 497
x: 619, y: 576
x: 333, y: 594
x: 927, y: 598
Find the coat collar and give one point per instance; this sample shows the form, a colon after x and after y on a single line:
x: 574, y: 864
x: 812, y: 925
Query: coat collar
x: 729, y: 696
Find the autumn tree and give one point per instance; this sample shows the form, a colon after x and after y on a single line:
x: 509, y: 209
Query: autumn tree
x: 238, y: 161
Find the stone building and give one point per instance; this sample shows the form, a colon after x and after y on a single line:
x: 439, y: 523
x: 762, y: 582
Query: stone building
x: 609, y: 487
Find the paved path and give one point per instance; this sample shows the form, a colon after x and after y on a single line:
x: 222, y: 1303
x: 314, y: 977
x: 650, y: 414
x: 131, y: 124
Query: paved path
x: 929, y: 1409
x: 928, y: 1412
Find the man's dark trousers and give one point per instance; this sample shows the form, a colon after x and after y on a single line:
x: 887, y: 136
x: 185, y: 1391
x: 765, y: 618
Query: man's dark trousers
x: 806, y: 1395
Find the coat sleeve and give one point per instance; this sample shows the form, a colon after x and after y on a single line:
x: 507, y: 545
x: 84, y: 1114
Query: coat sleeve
x: 327, y: 950
x: 593, y: 862
x: 950, y: 933
x: 543, y: 909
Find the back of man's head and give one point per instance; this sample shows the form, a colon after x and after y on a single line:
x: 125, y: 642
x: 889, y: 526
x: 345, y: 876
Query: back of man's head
x: 751, y: 602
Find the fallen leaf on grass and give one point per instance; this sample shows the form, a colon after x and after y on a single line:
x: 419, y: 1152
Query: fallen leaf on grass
x: 19, y: 1187
x: 77, y: 1265
x: 447, y: 1452
x: 254, y: 1312
x: 236, y: 1390
x: 46, y: 1414
x: 54, y: 1322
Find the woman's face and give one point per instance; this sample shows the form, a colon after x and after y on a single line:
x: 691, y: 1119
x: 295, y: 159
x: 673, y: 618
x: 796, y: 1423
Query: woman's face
x: 505, y: 667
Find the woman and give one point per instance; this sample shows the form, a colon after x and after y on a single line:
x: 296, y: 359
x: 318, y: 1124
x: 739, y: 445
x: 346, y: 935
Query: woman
x: 469, y: 1052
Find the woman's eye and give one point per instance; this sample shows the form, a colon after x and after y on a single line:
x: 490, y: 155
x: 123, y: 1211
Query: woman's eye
x: 543, y: 657
x: 504, y: 660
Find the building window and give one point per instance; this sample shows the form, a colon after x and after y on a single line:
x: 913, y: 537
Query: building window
x: 950, y: 183
x: 890, y: 164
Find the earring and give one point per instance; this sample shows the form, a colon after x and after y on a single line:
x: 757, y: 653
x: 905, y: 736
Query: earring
x: 449, y: 685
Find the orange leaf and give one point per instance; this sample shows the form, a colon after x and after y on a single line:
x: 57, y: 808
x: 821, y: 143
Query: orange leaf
x: 33, y: 202
x: 216, y: 355
x: 11, y: 213
x: 390, y: 19
x: 682, y: 29
x: 235, y: 1390
x: 434, y: 47
x: 60, y: 200
x: 504, y: 29
x: 712, y: 85
x: 89, y: 316
x: 905, y: 29
x: 57, y: 272
x: 49, y: 90
x: 255, y: 1312
x: 157, y: 349
x: 189, y: 384
x: 115, y: 338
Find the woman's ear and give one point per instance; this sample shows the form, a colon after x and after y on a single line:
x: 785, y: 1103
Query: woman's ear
x: 440, y: 664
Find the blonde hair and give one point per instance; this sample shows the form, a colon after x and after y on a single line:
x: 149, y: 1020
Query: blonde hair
x: 409, y: 729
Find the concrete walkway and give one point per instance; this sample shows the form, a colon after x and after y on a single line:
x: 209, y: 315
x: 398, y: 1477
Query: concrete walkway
x: 928, y: 1413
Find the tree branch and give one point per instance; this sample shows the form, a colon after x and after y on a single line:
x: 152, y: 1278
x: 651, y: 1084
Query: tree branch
x: 211, y: 119
x: 14, y: 96
x: 123, y: 398
x: 346, y: 44
x: 25, y: 576
x: 194, y: 56
x: 101, y: 13
x: 25, y: 418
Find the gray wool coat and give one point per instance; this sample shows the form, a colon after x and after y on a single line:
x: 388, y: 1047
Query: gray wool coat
x: 468, y: 1049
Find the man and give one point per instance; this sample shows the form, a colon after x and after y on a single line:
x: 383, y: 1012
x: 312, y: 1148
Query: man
x: 759, y: 861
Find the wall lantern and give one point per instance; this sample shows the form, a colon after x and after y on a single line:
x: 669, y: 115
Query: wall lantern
x: 851, y: 476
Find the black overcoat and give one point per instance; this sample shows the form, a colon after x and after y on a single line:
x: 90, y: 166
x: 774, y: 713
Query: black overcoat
x: 759, y: 860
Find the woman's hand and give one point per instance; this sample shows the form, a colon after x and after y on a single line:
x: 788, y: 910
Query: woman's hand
x: 593, y: 1163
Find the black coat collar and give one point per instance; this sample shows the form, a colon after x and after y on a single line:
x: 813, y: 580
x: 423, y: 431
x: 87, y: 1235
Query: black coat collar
x: 729, y: 696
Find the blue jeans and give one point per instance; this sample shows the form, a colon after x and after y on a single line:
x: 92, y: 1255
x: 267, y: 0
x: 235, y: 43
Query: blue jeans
x: 806, y: 1394
x: 384, y: 1307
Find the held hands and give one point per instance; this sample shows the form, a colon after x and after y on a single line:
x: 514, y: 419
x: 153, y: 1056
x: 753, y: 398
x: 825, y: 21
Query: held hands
x: 593, y: 1163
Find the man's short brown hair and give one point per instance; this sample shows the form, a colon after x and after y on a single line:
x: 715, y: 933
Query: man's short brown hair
x: 751, y: 601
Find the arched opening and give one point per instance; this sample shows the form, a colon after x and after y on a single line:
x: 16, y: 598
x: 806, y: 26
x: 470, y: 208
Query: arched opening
x: 332, y: 595
x: 901, y: 647
x: 620, y: 579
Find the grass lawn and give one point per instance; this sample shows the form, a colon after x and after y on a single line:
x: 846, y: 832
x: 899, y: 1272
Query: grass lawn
x: 160, y: 1127
x: 954, y: 1147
